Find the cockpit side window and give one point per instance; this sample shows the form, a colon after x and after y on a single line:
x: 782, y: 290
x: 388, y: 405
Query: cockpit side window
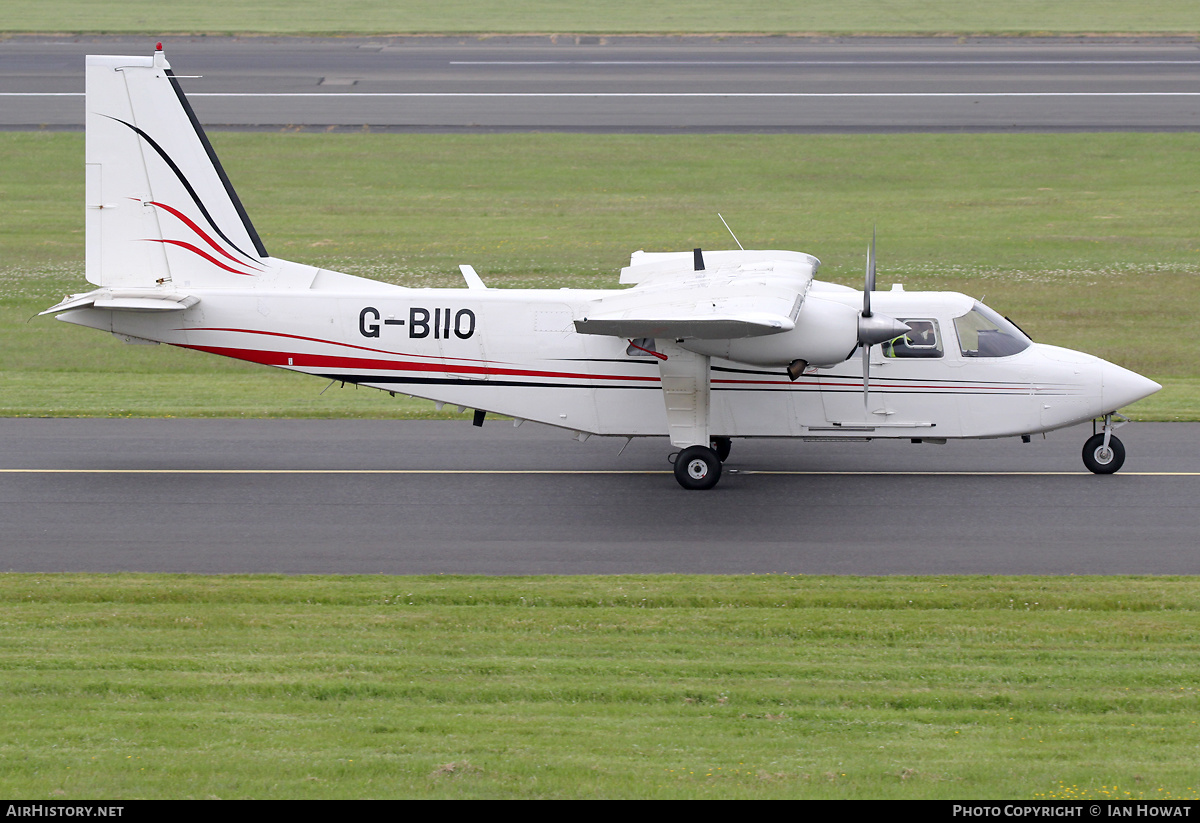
x: 984, y: 333
x: 922, y: 340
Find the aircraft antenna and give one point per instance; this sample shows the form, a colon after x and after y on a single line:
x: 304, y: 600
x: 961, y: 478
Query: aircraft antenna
x: 731, y: 234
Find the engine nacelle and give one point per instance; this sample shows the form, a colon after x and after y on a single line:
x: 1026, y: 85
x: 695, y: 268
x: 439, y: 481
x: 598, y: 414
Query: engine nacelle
x: 826, y: 334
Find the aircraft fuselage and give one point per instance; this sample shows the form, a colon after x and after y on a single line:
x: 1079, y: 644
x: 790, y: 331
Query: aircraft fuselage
x: 516, y: 352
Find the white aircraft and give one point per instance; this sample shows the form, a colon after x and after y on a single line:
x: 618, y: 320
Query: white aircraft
x: 705, y: 346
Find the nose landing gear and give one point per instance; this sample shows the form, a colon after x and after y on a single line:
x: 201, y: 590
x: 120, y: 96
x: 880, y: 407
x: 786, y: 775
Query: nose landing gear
x: 1103, y: 453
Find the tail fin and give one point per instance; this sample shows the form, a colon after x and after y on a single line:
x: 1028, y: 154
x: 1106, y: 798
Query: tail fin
x: 160, y: 209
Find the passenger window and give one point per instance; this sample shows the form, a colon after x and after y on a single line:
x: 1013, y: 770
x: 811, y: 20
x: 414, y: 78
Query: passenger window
x: 984, y: 333
x: 922, y: 340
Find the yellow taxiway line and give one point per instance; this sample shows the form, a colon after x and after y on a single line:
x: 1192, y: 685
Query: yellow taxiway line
x: 594, y: 471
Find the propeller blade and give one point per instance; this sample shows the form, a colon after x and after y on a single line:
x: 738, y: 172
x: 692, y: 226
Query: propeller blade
x: 873, y: 328
x: 870, y: 278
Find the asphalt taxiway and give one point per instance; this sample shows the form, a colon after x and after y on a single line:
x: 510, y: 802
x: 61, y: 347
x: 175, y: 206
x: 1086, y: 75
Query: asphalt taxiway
x: 408, y: 497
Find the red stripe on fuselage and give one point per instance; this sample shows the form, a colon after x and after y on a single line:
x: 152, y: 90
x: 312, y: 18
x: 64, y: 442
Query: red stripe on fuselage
x: 322, y: 340
x: 323, y: 361
x: 273, y: 358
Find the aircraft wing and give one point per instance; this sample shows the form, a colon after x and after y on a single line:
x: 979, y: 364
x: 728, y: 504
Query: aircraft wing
x: 737, y: 294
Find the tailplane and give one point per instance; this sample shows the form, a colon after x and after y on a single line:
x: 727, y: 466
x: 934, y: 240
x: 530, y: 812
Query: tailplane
x: 160, y: 209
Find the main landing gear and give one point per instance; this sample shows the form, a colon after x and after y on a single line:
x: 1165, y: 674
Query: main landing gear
x: 698, y: 467
x: 1103, y: 453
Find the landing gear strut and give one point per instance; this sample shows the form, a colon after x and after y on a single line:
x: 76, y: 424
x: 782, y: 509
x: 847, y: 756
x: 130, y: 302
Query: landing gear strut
x: 1103, y: 453
x: 722, y: 446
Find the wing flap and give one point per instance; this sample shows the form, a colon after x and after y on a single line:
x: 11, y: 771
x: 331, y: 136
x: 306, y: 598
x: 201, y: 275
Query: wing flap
x: 703, y: 327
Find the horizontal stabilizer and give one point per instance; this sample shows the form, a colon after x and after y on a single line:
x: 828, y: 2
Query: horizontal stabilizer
x: 125, y: 301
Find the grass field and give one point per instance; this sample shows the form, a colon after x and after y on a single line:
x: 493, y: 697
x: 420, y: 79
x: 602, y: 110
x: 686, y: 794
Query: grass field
x: 617, y: 16
x: 1088, y: 241
x: 660, y: 687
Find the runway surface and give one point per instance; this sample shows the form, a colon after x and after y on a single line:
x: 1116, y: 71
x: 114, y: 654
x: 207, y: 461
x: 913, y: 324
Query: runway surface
x: 408, y: 497
x: 635, y: 84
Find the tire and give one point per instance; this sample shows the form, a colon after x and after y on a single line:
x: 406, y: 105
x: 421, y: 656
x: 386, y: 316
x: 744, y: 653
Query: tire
x: 1100, y: 462
x: 697, y: 468
x: 722, y: 446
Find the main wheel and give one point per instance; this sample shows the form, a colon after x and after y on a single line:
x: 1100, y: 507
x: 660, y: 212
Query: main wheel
x: 722, y: 446
x: 697, y: 468
x: 1100, y: 460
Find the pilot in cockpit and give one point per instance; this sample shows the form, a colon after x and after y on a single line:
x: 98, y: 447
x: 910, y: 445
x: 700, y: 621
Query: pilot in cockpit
x: 919, y: 341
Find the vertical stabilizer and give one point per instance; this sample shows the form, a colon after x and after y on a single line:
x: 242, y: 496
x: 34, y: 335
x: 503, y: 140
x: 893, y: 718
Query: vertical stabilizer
x: 160, y: 209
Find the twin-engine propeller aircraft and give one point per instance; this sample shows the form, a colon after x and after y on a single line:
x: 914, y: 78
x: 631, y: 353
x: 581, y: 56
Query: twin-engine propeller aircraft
x: 705, y: 346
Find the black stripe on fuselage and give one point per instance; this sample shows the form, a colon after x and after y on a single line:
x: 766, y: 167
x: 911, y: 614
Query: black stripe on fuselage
x: 816, y: 380
x: 461, y: 381
x: 373, y: 379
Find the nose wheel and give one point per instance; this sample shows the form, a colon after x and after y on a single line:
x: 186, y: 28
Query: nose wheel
x: 1101, y: 457
x: 1103, y: 453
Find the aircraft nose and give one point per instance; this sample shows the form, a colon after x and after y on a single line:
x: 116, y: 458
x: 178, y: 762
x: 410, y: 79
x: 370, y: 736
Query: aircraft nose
x: 1120, y: 387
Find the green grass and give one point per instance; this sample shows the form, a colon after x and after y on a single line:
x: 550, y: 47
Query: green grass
x: 769, y: 686
x: 1088, y: 241
x: 617, y: 16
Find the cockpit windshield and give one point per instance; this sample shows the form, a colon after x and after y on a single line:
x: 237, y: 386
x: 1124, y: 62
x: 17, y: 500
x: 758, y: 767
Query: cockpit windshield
x: 984, y: 333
